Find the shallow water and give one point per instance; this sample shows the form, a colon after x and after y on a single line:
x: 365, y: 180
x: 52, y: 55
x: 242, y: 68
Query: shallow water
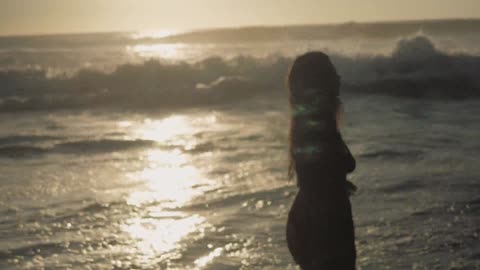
x: 206, y: 189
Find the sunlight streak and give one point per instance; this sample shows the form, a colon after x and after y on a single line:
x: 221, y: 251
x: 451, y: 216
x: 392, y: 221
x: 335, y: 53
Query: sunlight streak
x: 205, y: 260
x: 165, y: 129
x: 161, y: 50
x: 167, y: 181
x: 156, y: 237
x: 153, y: 34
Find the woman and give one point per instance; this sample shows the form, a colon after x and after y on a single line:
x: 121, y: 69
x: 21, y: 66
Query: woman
x: 320, y: 233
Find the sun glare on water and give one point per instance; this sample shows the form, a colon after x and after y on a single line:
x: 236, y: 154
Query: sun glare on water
x: 152, y: 34
x: 158, y: 50
x: 168, y: 180
x: 156, y: 237
x: 166, y: 130
x: 149, y: 48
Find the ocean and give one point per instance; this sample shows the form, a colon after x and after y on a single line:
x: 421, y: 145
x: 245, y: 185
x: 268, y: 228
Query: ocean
x: 164, y: 150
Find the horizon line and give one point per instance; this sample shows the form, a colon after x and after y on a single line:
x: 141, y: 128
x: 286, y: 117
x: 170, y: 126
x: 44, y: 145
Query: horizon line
x: 214, y: 28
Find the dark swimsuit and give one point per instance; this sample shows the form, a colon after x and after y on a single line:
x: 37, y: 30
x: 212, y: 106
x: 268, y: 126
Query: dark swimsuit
x: 320, y: 232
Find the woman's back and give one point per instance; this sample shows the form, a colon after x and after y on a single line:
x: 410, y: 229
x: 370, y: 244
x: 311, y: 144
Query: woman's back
x: 320, y: 232
x: 320, y: 229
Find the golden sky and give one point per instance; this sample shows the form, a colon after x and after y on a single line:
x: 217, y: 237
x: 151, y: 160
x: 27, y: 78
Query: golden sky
x: 63, y: 16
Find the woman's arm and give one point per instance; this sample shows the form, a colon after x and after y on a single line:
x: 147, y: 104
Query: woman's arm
x: 348, y: 160
x: 321, y: 153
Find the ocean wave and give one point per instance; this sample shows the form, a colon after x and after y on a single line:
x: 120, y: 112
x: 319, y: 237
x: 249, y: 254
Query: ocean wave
x: 387, y: 153
x: 406, y: 186
x: 30, y: 250
x: 18, y: 151
x: 20, y: 139
x: 275, y: 194
x: 77, y: 147
x: 102, y: 146
x: 415, y: 69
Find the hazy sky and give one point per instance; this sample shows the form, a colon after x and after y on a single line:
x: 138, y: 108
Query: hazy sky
x: 54, y: 16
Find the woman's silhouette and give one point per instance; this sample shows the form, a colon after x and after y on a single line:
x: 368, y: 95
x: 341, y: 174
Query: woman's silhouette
x: 320, y: 231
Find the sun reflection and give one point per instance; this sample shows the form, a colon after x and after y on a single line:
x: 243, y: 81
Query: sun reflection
x: 167, y: 181
x: 168, y: 128
x: 205, y: 260
x: 124, y: 124
x: 157, y: 236
x: 153, y: 34
x: 162, y: 50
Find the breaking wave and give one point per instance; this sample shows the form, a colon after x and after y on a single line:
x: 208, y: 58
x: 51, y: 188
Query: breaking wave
x: 415, y: 69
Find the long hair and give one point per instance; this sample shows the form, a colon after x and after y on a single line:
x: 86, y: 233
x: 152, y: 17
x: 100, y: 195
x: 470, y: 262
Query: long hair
x: 313, y: 86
